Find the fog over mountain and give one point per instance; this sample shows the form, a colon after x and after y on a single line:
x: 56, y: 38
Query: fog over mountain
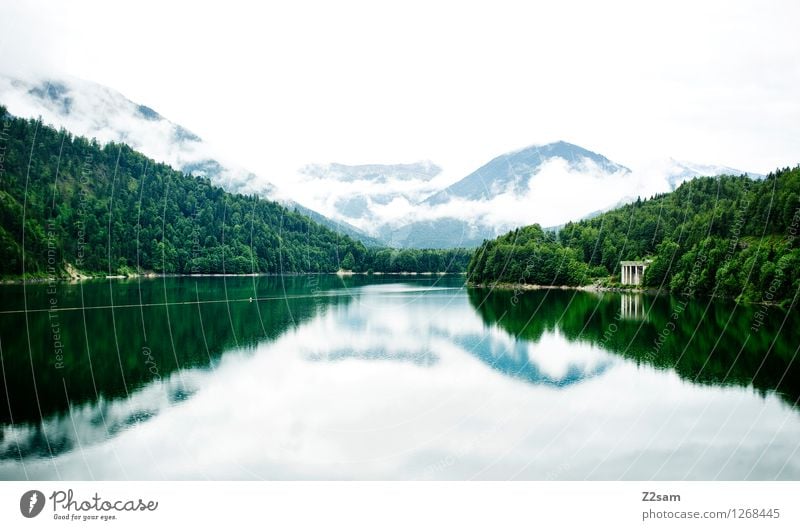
x: 410, y: 204
x: 678, y: 171
x: 547, y: 184
x: 512, y: 172
x: 89, y: 109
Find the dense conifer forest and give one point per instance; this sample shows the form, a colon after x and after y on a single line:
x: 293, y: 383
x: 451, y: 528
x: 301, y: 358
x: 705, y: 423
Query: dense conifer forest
x: 723, y: 236
x: 70, y: 204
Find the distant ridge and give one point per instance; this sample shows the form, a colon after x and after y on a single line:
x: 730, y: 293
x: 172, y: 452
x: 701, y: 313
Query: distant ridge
x: 515, y: 169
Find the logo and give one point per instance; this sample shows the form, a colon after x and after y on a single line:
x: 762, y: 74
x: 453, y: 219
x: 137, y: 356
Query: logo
x: 31, y: 503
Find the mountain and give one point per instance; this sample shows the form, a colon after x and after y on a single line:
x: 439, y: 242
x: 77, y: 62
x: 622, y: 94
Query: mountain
x: 68, y: 203
x: 667, y: 175
x: 339, y: 227
x: 534, y: 184
x: 677, y: 172
x: 367, y: 196
x: 95, y: 111
x: 71, y: 205
x: 513, y: 172
x: 443, y: 232
x: 379, y: 173
x: 412, y: 205
x: 730, y: 236
x: 548, y: 184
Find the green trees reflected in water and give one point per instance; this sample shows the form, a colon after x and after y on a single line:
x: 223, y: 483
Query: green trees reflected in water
x: 87, y: 351
x: 707, y: 342
x: 83, y: 348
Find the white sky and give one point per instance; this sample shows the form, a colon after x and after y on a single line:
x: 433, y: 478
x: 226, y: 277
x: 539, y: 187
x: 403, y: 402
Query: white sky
x: 458, y: 83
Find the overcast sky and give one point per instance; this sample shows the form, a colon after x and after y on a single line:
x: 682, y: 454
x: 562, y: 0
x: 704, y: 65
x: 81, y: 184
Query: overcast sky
x: 456, y: 83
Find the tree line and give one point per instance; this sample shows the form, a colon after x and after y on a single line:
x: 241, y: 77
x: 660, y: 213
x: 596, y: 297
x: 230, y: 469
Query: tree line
x: 727, y: 236
x: 69, y: 202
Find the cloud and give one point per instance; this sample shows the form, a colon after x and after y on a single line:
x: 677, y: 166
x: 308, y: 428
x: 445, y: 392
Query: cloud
x: 370, y: 197
x: 277, y: 89
x: 558, y: 192
x: 386, y: 193
x: 88, y: 109
x: 280, y: 86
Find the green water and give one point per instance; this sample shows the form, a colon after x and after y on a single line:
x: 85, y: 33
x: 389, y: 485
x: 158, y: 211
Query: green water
x: 407, y: 377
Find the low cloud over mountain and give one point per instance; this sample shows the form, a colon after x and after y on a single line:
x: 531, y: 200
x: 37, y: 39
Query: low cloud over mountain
x: 406, y: 205
x: 88, y: 109
x: 92, y: 110
x: 546, y: 184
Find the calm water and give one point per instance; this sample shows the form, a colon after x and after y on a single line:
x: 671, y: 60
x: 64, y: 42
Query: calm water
x: 319, y: 377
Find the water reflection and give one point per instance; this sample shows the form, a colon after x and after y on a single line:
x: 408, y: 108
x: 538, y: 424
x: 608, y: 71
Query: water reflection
x: 394, y: 378
x: 538, y: 363
x: 632, y: 306
x: 109, y: 346
x: 703, y: 341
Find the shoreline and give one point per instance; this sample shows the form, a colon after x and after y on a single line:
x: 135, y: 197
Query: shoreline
x: 79, y: 277
x: 594, y: 288
x: 588, y: 288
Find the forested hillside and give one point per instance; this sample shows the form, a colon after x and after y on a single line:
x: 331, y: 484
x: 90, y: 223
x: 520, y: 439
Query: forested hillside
x: 528, y: 255
x: 67, y: 201
x: 726, y: 236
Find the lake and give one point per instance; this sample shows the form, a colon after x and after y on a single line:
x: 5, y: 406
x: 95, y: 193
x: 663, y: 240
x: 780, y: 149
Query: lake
x: 390, y: 377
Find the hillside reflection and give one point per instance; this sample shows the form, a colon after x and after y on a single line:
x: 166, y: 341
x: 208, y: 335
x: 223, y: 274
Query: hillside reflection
x: 388, y: 377
x: 706, y: 342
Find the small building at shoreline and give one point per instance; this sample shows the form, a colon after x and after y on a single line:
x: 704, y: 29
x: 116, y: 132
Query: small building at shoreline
x: 632, y: 272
